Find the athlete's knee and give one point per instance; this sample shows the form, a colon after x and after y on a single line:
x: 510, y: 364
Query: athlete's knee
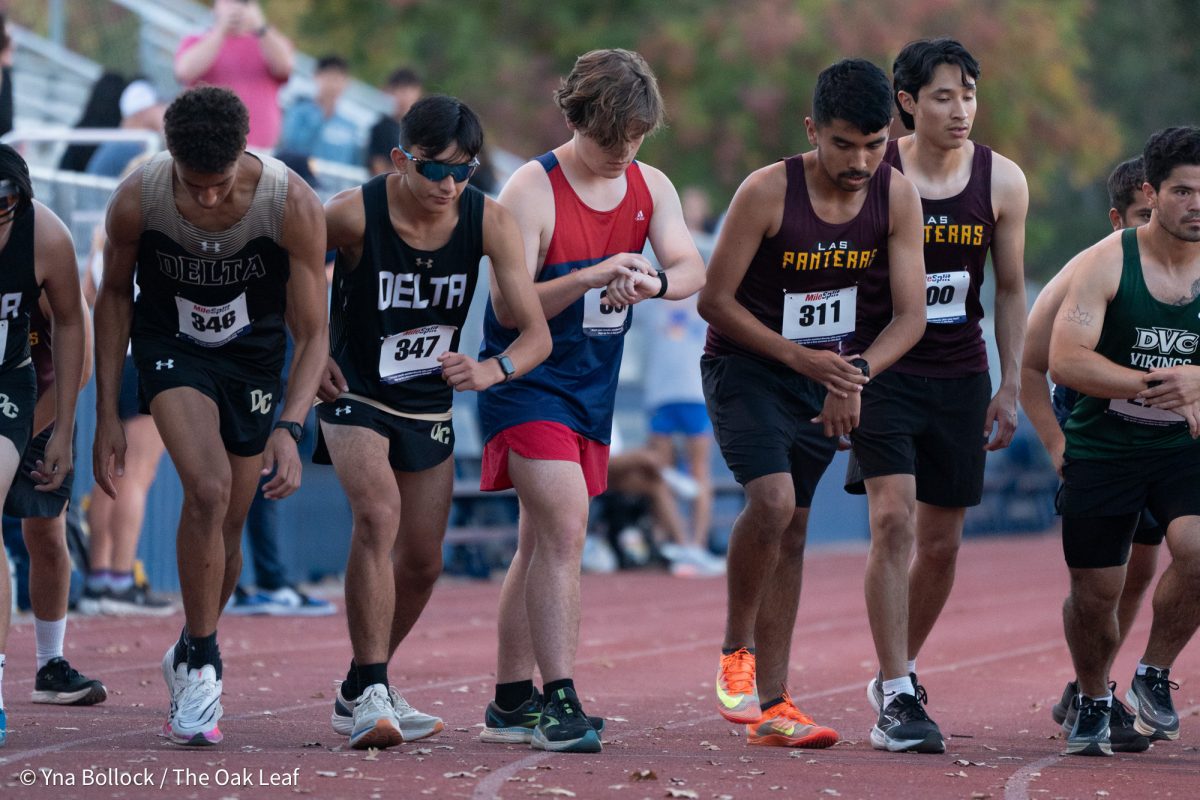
x: 207, y: 495
x: 771, y: 507
x: 941, y: 553
x: 891, y: 530
x: 418, y: 572
x: 1094, y: 591
x: 376, y: 524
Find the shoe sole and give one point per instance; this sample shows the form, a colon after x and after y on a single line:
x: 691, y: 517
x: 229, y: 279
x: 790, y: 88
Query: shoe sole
x: 588, y: 743
x: 931, y: 744
x: 422, y: 732
x: 1089, y: 749
x: 1145, y: 728
x: 383, y: 734
x: 88, y: 696
x: 117, y: 609
x: 88, y: 607
x: 1139, y: 745
x: 814, y: 741
x: 199, y: 739
x: 506, y: 735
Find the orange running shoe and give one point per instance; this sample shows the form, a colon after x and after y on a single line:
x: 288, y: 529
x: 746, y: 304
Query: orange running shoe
x: 736, y: 692
x: 784, y: 725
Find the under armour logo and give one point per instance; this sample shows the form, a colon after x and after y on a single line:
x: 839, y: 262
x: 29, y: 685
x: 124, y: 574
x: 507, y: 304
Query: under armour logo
x: 337, y: 412
x: 260, y: 401
x: 424, y: 263
x: 640, y: 217
x: 168, y: 364
x: 8, y: 408
x: 215, y: 247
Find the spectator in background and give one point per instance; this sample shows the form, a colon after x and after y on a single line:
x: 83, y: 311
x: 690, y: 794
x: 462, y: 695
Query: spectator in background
x: 241, y: 52
x: 313, y: 127
x: 404, y: 86
x: 141, y: 109
x: 6, y: 88
x: 103, y: 110
x: 697, y: 210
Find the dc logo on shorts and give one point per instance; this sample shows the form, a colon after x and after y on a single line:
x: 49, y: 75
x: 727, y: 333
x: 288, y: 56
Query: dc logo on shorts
x: 260, y: 401
x: 8, y: 408
x: 440, y: 433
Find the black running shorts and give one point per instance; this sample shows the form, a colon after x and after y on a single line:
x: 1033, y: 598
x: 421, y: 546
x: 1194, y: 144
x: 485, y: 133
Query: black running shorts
x: 761, y: 415
x: 414, y: 445
x: 246, y: 406
x: 1101, y: 501
x: 928, y: 427
x: 18, y: 395
x: 23, y: 499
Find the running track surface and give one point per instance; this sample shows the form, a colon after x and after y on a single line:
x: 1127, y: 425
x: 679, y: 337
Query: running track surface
x: 648, y: 653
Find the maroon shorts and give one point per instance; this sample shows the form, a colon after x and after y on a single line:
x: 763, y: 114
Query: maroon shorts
x: 544, y: 441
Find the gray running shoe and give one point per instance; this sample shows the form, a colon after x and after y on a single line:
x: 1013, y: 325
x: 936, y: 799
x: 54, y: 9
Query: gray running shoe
x: 1089, y: 734
x: 1150, y: 697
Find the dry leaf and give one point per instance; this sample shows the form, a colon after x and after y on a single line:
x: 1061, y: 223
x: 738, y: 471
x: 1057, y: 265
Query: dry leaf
x: 372, y: 754
x: 458, y: 775
x: 557, y: 791
x: 324, y: 774
x: 688, y: 793
x: 643, y: 775
x: 831, y: 792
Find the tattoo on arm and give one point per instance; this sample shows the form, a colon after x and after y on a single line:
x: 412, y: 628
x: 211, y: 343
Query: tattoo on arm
x: 1078, y: 316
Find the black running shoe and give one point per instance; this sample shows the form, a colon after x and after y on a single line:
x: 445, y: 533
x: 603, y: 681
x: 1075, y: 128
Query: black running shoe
x: 1150, y: 697
x: 1062, y: 709
x: 904, y: 727
x: 61, y: 684
x: 563, y: 727
x: 1090, y: 735
x: 875, y: 691
x: 516, y: 726
x: 1124, y: 737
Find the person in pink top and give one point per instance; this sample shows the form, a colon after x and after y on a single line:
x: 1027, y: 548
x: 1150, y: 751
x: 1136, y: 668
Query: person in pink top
x: 242, y: 52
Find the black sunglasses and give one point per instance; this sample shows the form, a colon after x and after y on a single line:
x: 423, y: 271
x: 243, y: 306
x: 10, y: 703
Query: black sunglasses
x: 437, y: 171
x: 10, y: 198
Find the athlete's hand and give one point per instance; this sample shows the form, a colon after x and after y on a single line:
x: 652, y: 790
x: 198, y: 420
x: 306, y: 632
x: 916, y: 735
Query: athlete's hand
x: 465, y: 374
x: 1000, y: 423
x: 839, y: 415
x: 1057, y: 454
x: 282, y: 458
x: 333, y: 383
x: 108, y: 455
x: 52, y: 469
x: 1171, y: 387
x: 830, y: 370
x: 634, y: 288
x: 622, y: 265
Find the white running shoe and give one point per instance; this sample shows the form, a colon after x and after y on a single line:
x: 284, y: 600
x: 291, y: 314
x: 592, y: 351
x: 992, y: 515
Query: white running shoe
x: 199, y: 709
x: 176, y: 680
x: 375, y: 723
x: 413, y: 724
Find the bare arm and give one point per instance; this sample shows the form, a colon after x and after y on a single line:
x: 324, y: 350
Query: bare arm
x: 1035, y: 362
x: 755, y: 214
x: 276, y: 48
x: 672, y: 241
x: 198, y: 57
x: 44, y: 410
x: 906, y: 273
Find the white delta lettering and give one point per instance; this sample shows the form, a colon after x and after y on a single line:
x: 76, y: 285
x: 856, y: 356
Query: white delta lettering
x: 10, y: 304
x: 211, y: 272
x: 1167, y: 340
x: 412, y: 290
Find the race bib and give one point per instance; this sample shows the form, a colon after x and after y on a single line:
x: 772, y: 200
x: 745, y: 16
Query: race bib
x: 600, y: 317
x: 212, y: 326
x: 818, y: 317
x: 407, y: 355
x: 3, y: 337
x: 1134, y: 411
x: 946, y: 297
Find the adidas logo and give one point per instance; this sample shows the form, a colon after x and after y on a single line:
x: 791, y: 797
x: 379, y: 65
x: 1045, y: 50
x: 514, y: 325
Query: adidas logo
x: 640, y: 217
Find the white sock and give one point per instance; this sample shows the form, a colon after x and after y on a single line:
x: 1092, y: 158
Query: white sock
x: 1, y: 681
x: 1106, y: 699
x: 1141, y: 668
x: 897, y: 686
x: 120, y: 581
x: 912, y: 666
x: 49, y: 636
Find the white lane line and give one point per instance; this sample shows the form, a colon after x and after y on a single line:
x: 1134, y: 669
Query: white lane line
x: 489, y: 788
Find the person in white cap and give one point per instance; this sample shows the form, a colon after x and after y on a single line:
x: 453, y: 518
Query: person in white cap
x: 141, y: 109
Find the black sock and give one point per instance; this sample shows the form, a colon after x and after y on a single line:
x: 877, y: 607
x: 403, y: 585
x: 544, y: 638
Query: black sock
x: 203, y: 650
x: 728, y: 651
x: 350, y: 687
x: 369, y: 674
x: 554, y: 686
x: 181, y: 649
x: 510, y: 696
x: 770, y: 704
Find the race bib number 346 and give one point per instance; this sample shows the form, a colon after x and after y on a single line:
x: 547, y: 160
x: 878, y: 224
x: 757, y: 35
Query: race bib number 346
x: 212, y: 326
x: 407, y: 355
x: 819, y: 317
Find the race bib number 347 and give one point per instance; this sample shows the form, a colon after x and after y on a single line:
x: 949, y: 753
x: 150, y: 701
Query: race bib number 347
x: 212, y: 326
x: 819, y: 317
x: 407, y: 355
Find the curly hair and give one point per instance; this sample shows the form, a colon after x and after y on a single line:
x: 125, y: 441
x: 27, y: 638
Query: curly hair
x: 611, y: 96
x: 1168, y: 149
x: 206, y: 128
x: 855, y: 91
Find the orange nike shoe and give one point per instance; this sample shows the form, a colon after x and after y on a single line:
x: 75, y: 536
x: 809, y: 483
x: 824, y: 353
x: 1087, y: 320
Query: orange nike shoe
x: 784, y: 725
x: 737, y: 696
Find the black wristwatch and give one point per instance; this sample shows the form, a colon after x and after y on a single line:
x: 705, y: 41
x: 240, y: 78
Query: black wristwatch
x: 295, y: 429
x: 506, y: 366
x: 662, y: 278
x: 862, y: 364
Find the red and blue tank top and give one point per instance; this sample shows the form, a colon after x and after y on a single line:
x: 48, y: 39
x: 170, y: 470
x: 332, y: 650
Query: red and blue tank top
x: 958, y: 237
x: 803, y: 282
x: 577, y: 385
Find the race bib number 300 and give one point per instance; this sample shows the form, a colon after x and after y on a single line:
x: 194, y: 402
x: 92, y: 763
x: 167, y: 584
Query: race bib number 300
x: 946, y: 297
x: 819, y: 317
x: 212, y: 326
x: 408, y: 355
x: 601, y: 317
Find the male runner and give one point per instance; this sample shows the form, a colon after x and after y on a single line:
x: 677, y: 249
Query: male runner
x: 226, y: 247
x: 36, y: 254
x: 1129, y: 209
x: 802, y: 235
x: 409, y: 244
x: 925, y: 425
x: 585, y: 210
x: 1126, y: 340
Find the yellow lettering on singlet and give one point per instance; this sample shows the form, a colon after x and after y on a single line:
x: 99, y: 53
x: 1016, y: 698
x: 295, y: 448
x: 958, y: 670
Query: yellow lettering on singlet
x: 789, y: 258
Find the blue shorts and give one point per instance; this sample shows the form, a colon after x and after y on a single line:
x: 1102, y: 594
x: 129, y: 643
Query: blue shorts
x: 690, y: 419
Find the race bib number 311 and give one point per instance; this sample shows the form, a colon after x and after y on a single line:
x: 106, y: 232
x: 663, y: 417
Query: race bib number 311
x: 819, y: 317
x: 946, y: 297
x: 408, y: 355
x: 212, y: 326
